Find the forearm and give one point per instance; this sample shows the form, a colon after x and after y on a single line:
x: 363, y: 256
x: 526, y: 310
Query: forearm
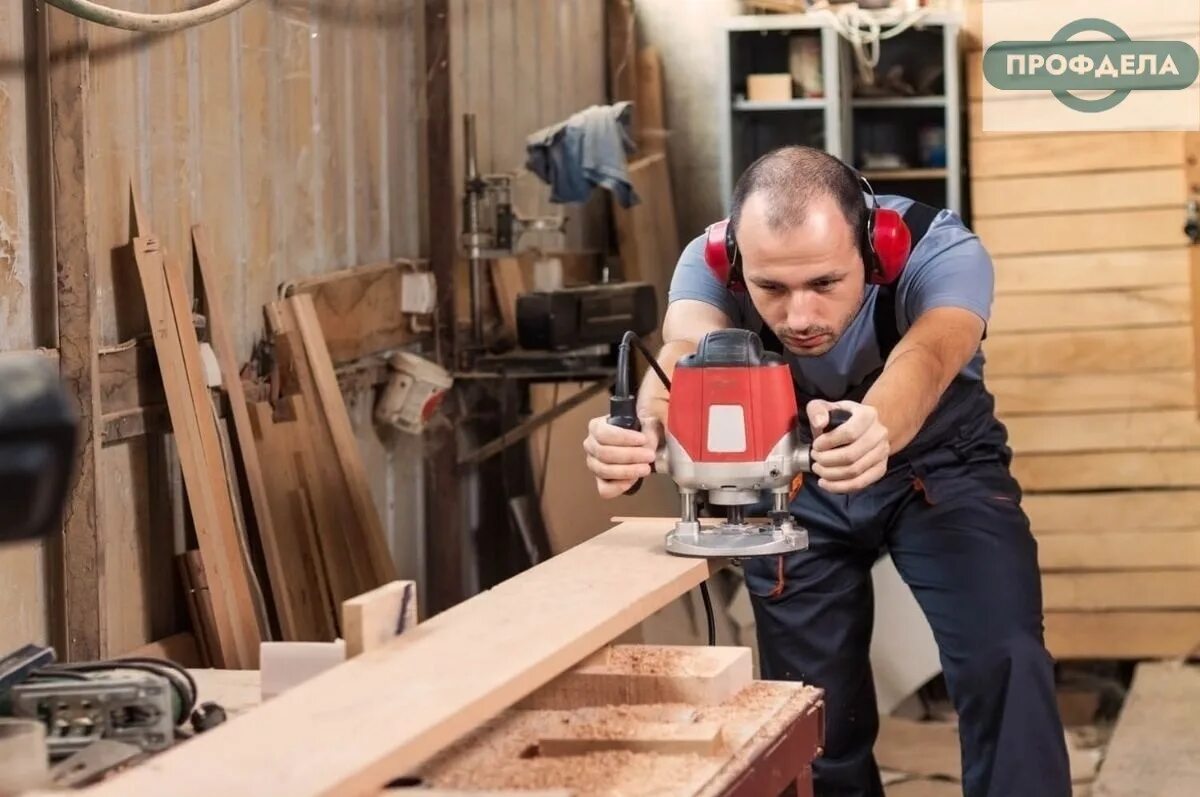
x: 906, y: 393
x: 653, y: 394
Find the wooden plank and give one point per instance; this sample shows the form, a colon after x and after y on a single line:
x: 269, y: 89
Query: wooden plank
x: 324, y: 481
x: 1126, y: 511
x: 1092, y: 271
x: 373, y: 619
x: 295, y: 744
x: 1090, y: 351
x: 1155, y: 750
x: 665, y: 738
x: 647, y: 674
x: 195, y: 432
x: 200, y: 600
x: 212, y: 274
x: 1107, y: 471
x: 648, y: 240
x: 81, y: 578
x: 1121, y: 635
x: 1192, y: 172
x: 1095, y: 191
x: 379, y: 568
x: 1081, y: 232
x: 1072, y: 153
x: 1105, y: 431
x: 305, y: 608
x: 1071, y: 393
x: 1126, y: 590
x: 1102, y: 549
x: 1092, y: 310
x: 359, y: 308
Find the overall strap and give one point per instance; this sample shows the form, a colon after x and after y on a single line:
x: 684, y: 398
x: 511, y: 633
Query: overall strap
x: 918, y: 218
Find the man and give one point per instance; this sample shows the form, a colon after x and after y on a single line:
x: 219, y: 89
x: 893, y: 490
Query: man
x: 920, y: 469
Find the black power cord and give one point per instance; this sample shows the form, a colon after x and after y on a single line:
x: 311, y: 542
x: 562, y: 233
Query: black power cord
x: 622, y: 412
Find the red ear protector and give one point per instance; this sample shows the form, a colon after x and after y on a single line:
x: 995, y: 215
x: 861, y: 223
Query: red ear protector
x: 885, y: 247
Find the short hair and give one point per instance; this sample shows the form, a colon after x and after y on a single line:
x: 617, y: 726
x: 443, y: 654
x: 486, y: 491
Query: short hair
x: 790, y: 178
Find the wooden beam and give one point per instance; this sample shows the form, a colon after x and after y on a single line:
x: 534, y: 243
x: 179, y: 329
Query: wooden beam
x: 1122, y: 635
x: 82, y: 615
x: 374, y: 618
x: 310, y: 740
x: 444, y: 580
x: 1121, y: 511
x: 1155, y: 750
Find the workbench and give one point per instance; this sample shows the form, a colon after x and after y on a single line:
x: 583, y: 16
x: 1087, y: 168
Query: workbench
x: 710, y: 732
x: 518, y: 688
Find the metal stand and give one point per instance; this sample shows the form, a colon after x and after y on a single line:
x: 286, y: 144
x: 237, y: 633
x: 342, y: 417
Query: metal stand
x: 735, y: 538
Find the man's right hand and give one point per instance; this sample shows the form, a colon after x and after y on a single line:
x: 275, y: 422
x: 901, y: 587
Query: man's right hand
x: 619, y: 457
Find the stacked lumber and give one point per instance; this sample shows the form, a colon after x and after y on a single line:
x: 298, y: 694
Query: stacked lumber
x: 1091, y: 355
x: 308, y: 535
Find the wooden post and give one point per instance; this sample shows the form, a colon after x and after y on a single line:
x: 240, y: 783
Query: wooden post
x: 444, y: 582
x: 79, y: 622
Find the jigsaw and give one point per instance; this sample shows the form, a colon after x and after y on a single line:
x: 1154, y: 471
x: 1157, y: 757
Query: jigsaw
x: 732, y: 435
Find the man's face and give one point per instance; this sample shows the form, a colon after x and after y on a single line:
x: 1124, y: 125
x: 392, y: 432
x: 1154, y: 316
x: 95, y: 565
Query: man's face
x: 806, y: 282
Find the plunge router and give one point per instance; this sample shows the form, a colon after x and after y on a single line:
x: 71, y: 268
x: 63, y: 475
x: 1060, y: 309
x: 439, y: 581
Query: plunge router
x: 732, y: 434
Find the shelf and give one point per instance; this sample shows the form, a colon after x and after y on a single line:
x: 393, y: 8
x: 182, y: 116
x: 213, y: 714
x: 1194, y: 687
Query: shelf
x: 905, y: 174
x: 898, y: 102
x: 802, y: 104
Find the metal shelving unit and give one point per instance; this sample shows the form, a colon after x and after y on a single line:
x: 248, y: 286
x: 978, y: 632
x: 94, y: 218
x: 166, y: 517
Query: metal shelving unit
x: 838, y: 121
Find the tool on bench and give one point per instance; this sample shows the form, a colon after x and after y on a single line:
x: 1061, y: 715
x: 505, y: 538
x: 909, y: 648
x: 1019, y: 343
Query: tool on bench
x: 732, y: 434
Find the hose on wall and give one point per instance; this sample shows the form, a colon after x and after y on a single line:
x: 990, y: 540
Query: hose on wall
x: 148, y: 23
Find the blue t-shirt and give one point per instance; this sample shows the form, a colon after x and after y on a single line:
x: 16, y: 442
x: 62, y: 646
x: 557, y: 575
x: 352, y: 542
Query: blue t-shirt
x: 948, y: 268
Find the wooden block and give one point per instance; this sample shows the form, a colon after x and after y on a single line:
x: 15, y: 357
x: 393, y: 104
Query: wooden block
x: 288, y: 664
x: 1081, y: 232
x: 1105, y: 549
x: 1122, y: 635
x: 1092, y: 271
x: 1085, y: 392
x: 359, y: 308
x: 376, y: 617
x: 665, y: 738
x: 1104, y: 431
x: 1134, y: 307
x: 640, y: 674
x: 1130, y: 589
x: 1118, y: 190
x: 1075, y: 152
x: 1124, y: 511
x: 1090, y: 351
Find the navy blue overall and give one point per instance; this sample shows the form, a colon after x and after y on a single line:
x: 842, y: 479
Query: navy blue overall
x: 949, y: 513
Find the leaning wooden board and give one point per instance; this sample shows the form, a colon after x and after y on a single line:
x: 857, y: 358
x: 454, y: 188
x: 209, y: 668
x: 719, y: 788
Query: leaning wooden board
x: 228, y: 574
x: 377, y: 716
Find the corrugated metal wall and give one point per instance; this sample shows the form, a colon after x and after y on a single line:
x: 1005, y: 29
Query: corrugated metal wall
x: 292, y: 130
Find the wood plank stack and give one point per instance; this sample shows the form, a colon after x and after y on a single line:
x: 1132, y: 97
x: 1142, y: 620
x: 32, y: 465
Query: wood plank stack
x: 1091, y: 355
x: 309, y: 517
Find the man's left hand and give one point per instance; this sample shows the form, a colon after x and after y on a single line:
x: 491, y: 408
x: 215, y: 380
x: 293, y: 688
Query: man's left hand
x: 852, y: 456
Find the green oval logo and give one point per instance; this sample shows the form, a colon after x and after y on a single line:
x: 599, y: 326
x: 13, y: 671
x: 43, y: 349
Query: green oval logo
x: 1120, y: 66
